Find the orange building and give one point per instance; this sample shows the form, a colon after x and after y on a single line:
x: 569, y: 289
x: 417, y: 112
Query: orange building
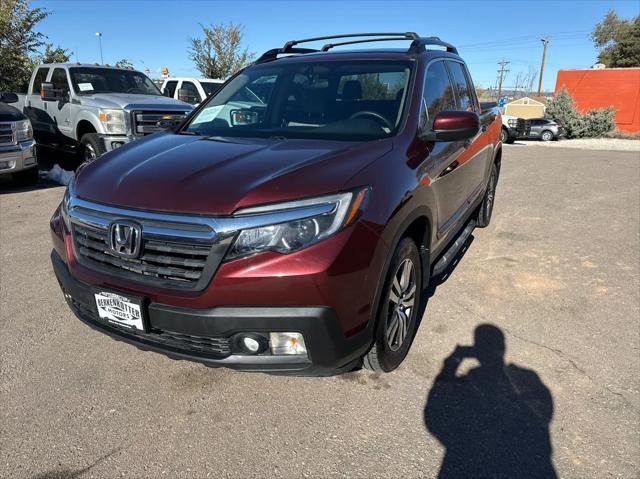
x: 600, y: 88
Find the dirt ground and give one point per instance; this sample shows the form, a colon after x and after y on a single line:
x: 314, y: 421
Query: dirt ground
x: 557, y: 275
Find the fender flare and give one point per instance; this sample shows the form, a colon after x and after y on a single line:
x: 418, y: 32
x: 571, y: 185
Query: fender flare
x: 86, y: 115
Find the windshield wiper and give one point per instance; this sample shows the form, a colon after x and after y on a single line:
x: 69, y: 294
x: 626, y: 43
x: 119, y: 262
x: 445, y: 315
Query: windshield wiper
x: 192, y: 133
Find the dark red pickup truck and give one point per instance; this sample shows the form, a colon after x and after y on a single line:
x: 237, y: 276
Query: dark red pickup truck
x: 291, y: 222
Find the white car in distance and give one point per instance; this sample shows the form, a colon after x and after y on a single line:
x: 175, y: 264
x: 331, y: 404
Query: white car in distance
x: 190, y: 90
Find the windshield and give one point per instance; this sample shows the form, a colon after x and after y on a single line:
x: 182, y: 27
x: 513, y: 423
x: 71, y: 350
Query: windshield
x: 210, y: 87
x: 110, y: 80
x: 331, y: 100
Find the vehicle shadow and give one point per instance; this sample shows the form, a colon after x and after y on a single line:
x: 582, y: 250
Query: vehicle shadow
x: 494, y: 420
x: 46, y: 160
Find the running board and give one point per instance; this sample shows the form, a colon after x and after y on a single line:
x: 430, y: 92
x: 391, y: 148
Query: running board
x: 447, y: 257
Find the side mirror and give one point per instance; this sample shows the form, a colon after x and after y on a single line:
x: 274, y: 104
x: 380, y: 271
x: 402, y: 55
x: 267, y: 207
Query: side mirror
x: 183, y: 95
x: 453, y: 126
x: 8, y: 97
x: 47, y: 92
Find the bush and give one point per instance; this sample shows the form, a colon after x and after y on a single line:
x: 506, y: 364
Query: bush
x: 598, y: 122
x: 594, y: 123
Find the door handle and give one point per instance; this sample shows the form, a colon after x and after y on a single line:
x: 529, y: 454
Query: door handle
x: 450, y: 168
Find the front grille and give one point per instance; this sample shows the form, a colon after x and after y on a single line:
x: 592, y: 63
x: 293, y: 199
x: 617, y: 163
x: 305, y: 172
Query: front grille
x: 180, y: 264
x: 215, y: 346
x: 7, y: 137
x: 209, y: 345
x: 146, y: 122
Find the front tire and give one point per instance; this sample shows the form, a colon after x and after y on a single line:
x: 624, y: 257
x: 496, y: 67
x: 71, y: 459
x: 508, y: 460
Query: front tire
x: 91, y: 147
x: 485, y: 210
x: 398, y: 313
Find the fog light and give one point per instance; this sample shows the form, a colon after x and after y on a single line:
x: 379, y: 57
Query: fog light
x: 249, y: 343
x: 287, y: 343
x: 7, y: 165
x: 116, y: 144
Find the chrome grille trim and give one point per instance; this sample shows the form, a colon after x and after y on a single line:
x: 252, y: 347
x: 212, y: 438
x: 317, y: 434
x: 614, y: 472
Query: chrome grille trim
x: 7, y: 134
x: 145, y: 121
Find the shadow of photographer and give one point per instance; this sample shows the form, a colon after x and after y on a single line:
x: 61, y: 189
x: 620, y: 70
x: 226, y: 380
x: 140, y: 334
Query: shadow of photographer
x: 494, y: 420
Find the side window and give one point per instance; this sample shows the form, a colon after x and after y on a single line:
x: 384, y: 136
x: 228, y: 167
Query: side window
x: 170, y: 88
x: 41, y: 76
x: 463, y: 87
x: 193, y: 96
x: 437, y: 94
x: 59, y: 80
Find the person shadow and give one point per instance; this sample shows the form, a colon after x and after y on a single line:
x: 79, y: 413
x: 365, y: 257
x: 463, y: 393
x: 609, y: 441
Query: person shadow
x: 494, y: 420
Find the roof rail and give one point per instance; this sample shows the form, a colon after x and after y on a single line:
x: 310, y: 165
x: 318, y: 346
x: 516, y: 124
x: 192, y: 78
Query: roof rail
x: 418, y: 44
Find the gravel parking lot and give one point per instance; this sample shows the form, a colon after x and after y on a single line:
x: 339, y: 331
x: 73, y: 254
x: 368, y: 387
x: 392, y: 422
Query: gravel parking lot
x: 557, y: 272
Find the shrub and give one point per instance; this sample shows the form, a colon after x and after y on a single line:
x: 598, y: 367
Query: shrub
x: 594, y: 123
x: 598, y: 122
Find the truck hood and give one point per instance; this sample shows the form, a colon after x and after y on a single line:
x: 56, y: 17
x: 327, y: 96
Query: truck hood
x: 9, y: 113
x: 198, y: 175
x: 134, y: 101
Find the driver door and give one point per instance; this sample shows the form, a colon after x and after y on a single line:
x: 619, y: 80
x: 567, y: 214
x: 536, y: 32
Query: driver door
x: 60, y: 111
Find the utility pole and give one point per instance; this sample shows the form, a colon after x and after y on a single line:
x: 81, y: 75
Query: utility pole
x: 501, y: 73
x: 545, y: 42
x: 99, y: 35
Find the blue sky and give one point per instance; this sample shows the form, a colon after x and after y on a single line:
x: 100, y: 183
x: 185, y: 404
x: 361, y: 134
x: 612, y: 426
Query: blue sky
x: 153, y: 34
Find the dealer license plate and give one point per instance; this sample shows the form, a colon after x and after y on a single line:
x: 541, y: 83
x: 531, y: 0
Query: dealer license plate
x: 119, y: 310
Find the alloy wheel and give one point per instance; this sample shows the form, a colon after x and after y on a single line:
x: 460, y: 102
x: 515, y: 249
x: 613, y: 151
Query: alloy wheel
x: 402, y: 299
x: 89, y: 152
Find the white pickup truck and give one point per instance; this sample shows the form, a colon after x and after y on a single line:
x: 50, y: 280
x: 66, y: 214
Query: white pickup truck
x: 92, y: 109
x: 191, y: 90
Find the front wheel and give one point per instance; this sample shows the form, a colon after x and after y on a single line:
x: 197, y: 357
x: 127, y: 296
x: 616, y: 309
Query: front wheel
x: 546, y: 136
x: 397, y: 318
x: 504, y: 135
x: 91, y: 147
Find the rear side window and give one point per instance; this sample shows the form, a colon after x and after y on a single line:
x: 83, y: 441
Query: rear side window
x: 437, y: 94
x: 192, y: 95
x: 41, y: 76
x: 59, y: 80
x: 464, y: 89
x: 170, y: 88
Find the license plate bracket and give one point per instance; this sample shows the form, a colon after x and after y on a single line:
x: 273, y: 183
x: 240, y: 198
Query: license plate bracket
x: 120, y: 309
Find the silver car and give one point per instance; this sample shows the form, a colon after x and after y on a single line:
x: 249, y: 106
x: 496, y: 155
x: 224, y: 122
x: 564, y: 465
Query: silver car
x: 545, y: 129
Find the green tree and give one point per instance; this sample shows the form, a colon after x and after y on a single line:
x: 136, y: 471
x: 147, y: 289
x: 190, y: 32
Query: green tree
x: 595, y: 122
x: 218, y: 54
x: 55, y: 54
x: 618, y: 41
x: 124, y: 63
x: 18, y: 42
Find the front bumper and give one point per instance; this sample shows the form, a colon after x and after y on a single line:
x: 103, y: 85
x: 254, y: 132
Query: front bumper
x: 329, y: 351
x: 17, y: 158
x: 113, y: 142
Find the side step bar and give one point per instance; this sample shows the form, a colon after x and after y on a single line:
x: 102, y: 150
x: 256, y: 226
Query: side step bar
x: 447, y: 257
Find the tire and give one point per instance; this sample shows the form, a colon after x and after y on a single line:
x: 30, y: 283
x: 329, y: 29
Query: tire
x: 485, y: 210
x: 397, y: 317
x: 504, y: 135
x: 546, y: 135
x: 26, y: 177
x: 91, y: 147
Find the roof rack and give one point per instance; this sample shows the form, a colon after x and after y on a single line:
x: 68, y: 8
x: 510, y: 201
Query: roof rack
x: 418, y: 44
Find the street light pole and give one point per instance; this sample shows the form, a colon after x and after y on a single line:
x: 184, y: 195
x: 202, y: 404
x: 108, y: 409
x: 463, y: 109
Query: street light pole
x: 99, y: 35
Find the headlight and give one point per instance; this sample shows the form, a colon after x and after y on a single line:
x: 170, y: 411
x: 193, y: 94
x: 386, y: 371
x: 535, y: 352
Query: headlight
x: 512, y: 123
x: 113, y: 121
x: 24, y: 131
x: 342, y: 210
